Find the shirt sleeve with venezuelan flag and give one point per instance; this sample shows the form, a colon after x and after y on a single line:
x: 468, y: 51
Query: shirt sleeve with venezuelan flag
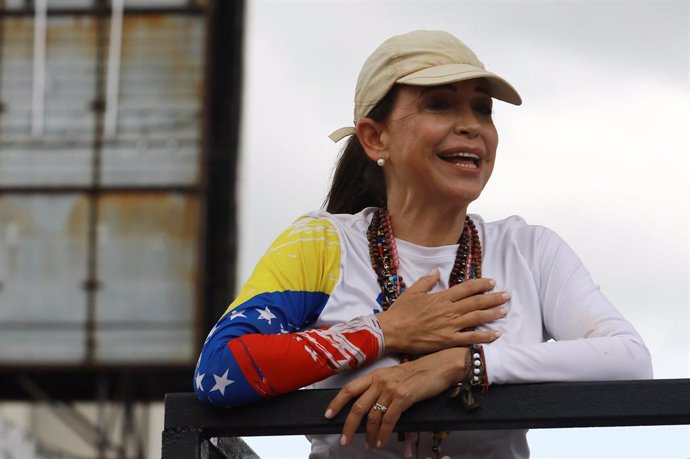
x: 263, y: 345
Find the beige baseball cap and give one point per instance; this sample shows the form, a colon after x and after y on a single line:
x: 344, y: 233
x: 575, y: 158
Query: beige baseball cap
x: 420, y: 58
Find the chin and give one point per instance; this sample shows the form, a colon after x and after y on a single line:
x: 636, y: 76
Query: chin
x: 465, y: 195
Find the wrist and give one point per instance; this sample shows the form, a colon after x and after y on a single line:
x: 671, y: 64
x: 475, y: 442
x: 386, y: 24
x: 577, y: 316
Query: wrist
x: 474, y: 377
x: 392, y: 343
x: 457, y: 367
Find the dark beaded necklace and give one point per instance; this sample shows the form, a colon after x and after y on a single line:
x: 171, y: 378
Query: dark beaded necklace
x: 384, y: 260
x: 384, y: 256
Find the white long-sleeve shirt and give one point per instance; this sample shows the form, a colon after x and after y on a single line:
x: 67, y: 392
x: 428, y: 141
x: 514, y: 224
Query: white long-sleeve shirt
x: 559, y: 326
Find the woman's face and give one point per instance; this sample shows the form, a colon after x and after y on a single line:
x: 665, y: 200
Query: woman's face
x: 440, y: 143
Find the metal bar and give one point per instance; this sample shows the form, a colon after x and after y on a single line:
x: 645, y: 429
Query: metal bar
x: 551, y: 405
x: 211, y: 451
x: 39, y: 69
x: 182, y: 444
x: 2, y: 40
x: 101, y: 444
x: 129, y: 425
x: 121, y: 142
x: 78, y: 382
x: 113, y: 77
x: 107, y: 189
x: 132, y: 10
x: 91, y: 283
x: 235, y: 447
x: 72, y: 418
x: 220, y: 152
x: 143, y: 434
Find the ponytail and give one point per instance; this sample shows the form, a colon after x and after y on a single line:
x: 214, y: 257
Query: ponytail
x: 358, y: 181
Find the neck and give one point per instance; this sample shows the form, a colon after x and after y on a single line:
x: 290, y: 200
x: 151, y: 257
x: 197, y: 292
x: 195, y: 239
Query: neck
x: 428, y: 226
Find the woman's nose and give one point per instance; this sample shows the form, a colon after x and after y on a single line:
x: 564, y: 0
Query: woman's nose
x: 466, y: 125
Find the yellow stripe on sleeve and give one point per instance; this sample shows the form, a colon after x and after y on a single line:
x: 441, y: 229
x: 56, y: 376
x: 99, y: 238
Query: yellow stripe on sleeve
x: 305, y: 258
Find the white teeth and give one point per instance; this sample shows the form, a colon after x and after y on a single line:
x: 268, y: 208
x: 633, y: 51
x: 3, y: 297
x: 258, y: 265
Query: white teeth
x: 462, y: 154
x: 467, y: 166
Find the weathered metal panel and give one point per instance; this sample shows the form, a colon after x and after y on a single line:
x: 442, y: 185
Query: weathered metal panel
x: 159, y: 117
x: 42, y: 268
x: 146, y: 249
x: 62, y: 155
x: 147, y: 262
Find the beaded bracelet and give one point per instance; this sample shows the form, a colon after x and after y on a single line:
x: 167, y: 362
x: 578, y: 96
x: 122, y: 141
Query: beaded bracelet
x: 475, y: 375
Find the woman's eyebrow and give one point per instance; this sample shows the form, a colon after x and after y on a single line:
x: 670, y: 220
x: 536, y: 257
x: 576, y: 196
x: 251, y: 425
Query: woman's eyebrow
x: 480, y: 88
x: 441, y: 87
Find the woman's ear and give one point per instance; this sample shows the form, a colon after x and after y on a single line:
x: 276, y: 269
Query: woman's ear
x: 371, y: 135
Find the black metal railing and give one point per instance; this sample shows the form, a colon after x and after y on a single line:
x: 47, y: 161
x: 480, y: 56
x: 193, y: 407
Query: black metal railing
x: 195, y: 430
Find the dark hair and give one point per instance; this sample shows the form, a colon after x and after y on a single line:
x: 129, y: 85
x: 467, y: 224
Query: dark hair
x: 358, y: 181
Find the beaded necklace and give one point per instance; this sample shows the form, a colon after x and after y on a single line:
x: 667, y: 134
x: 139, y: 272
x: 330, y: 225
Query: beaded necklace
x: 384, y: 259
x: 384, y: 256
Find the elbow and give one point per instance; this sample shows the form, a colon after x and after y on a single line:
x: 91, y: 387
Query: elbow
x: 646, y: 370
x: 218, y: 379
x: 640, y: 361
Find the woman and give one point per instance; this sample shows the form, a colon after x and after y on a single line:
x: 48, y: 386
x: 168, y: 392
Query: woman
x: 327, y: 305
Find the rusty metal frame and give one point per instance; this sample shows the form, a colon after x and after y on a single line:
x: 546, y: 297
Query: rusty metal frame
x: 217, y: 243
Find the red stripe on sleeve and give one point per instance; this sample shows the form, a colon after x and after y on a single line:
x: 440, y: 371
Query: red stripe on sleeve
x: 277, y: 364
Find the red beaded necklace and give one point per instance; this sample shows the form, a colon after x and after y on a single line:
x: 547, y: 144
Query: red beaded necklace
x: 384, y: 256
x: 384, y: 260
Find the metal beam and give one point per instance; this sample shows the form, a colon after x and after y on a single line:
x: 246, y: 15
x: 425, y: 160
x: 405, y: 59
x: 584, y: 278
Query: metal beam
x: 519, y: 406
x: 79, y: 383
x: 220, y: 158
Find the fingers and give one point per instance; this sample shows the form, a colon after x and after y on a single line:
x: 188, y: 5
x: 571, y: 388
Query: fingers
x: 425, y: 283
x: 388, y: 422
x: 480, y: 302
x: 368, y: 395
x: 374, y: 403
x: 465, y: 338
x: 481, y: 317
x: 376, y: 415
x: 470, y: 288
x: 363, y: 406
x: 381, y: 422
x: 347, y: 393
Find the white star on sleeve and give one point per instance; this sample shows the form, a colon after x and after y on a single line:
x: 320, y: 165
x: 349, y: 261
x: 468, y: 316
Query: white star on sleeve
x: 222, y: 382
x: 266, y: 314
x: 199, y: 378
x: 236, y: 314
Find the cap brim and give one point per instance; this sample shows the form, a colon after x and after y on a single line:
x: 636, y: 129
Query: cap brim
x: 452, y: 73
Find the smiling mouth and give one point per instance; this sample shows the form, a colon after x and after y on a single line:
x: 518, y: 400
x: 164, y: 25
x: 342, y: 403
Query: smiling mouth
x: 461, y: 159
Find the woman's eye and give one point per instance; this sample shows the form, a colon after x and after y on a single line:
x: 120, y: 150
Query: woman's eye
x: 438, y: 105
x: 484, y: 109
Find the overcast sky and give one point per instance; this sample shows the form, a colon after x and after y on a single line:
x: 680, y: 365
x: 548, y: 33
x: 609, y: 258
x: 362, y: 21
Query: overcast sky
x: 598, y: 151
